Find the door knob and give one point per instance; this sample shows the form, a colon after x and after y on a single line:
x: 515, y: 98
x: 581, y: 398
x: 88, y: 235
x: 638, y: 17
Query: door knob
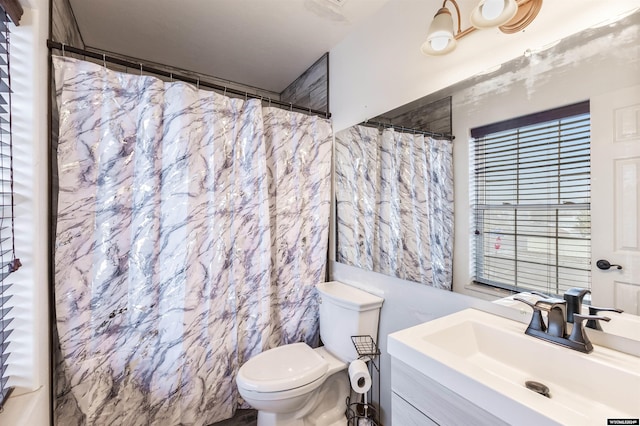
x: 604, y: 265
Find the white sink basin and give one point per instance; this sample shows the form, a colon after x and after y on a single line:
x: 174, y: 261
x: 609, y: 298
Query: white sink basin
x: 487, y: 359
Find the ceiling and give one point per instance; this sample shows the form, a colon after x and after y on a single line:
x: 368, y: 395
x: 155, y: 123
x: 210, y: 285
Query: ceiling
x: 261, y: 43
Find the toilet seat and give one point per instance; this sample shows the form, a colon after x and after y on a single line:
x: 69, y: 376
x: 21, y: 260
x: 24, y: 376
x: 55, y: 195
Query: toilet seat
x: 285, y: 394
x: 282, y: 369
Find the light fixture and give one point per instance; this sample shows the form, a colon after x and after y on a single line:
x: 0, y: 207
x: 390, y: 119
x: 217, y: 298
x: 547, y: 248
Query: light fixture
x: 440, y: 38
x: 509, y: 15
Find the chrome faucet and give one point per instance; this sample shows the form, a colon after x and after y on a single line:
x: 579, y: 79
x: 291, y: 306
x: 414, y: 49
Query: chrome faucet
x: 554, y: 330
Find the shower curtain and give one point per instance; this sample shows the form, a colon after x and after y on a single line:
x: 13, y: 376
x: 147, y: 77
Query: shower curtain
x: 394, y: 193
x: 191, y: 230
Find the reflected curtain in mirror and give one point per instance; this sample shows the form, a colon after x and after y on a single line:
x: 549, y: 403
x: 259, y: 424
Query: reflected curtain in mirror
x: 394, y: 196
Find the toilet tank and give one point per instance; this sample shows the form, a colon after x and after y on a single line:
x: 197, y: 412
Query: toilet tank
x: 346, y: 311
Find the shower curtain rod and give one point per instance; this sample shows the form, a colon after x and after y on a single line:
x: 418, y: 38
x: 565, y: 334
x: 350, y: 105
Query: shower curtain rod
x: 144, y: 68
x: 377, y: 124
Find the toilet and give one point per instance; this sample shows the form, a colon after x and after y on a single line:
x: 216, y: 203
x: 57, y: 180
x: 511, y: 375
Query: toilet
x: 296, y: 385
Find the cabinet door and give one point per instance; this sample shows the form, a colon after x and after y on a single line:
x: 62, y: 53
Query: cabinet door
x: 437, y: 402
x: 405, y: 414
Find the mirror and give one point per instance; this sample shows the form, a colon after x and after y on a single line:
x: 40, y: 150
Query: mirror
x: 394, y: 192
x: 574, y: 69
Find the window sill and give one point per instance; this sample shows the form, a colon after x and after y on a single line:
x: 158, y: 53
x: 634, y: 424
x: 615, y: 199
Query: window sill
x: 30, y: 408
x: 487, y: 291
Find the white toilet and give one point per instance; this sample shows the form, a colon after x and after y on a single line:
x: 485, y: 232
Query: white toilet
x: 295, y: 385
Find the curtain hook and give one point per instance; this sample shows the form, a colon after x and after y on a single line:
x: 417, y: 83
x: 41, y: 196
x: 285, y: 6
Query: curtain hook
x: 140, y: 68
x: 269, y: 102
x: 63, y: 50
x: 198, y: 84
x: 104, y: 61
x: 225, y: 90
x: 171, y: 76
x: 290, y: 107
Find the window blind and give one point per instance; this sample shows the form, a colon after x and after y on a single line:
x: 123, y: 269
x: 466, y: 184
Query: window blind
x: 8, y: 261
x: 532, y: 201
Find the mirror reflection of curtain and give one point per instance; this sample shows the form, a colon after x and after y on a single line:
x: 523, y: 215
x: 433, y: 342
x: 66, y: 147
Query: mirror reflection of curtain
x: 394, y: 193
x: 191, y: 230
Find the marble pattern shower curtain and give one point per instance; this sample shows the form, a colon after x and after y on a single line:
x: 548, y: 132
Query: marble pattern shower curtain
x: 394, y: 193
x: 191, y: 230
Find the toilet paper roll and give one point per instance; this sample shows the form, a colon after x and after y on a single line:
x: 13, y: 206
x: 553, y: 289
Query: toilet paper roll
x: 359, y: 376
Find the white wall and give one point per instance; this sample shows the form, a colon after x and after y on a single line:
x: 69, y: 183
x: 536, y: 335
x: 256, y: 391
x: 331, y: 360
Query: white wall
x: 29, y: 404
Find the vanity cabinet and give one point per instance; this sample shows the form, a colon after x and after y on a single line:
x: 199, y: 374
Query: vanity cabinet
x: 419, y: 400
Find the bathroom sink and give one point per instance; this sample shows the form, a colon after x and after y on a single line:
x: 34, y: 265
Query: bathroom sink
x: 488, y: 359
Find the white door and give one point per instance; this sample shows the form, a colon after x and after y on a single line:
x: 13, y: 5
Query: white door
x: 615, y: 199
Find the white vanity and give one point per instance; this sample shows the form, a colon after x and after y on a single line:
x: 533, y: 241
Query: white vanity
x: 471, y: 367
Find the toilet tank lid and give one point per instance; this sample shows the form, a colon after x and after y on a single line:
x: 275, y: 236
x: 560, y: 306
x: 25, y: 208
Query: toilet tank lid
x: 349, y: 297
x: 282, y: 368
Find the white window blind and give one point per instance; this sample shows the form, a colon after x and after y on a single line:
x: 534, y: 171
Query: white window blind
x: 8, y: 261
x: 532, y: 201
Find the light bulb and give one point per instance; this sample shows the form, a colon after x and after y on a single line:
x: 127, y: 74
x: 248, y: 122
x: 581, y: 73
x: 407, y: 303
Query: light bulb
x: 491, y: 9
x: 439, y: 43
x: 493, y: 13
x: 440, y: 38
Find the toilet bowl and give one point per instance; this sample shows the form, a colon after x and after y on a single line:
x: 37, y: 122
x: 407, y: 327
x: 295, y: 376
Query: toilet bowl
x: 295, y: 385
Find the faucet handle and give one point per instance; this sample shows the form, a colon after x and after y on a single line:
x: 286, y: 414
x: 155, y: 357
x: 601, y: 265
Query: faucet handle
x: 550, y: 303
x: 577, y: 333
x: 523, y: 300
x: 593, y: 310
x: 536, y: 322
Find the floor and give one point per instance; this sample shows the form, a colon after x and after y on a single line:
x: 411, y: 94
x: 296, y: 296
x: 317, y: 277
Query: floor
x: 242, y: 418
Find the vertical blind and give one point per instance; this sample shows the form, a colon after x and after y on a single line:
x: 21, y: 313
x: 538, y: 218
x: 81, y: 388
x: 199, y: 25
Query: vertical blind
x: 532, y: 201
x: 8, y: 261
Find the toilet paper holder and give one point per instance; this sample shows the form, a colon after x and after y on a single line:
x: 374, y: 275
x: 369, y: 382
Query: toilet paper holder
x: 361, y: 412
x: 365, y: 346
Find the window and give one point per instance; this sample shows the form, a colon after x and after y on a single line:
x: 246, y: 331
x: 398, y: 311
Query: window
x: 8, y: 262
x: 532, y: 201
